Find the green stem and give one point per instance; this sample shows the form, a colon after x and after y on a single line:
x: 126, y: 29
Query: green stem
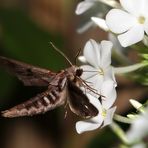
x: 127, y: 69
x: 119, y: 132
x: 122, y: 119
x: 113, y: 4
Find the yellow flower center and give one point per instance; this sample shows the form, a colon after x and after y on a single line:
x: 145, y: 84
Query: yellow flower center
x: 103, y: 113
x: 100, y: 71
x: 141, y: 19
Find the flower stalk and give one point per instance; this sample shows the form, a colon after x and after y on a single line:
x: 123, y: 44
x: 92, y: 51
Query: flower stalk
x: 119, y: 132
x: 122, y: 119
x: 127, y: 69
x: 111, y: 3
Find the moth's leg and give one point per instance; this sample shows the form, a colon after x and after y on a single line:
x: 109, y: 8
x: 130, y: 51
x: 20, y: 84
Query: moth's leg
x: 66, y: 105
x: 66, y: 108
x: 85, y: 85
x: 53, y: 85
x: 65, y: 114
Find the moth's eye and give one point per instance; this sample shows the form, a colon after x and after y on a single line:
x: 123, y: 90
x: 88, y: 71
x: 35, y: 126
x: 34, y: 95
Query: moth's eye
x: 79, y: 72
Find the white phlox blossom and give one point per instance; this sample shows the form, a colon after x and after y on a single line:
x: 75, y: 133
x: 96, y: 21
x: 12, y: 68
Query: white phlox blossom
x: 99, y: 9
x: 106, y: 111
x: 139, y: 129
x: 99, y: 72
x: 87, y: 4
x: 84, y: 6
x: 98, y: 69
x: 131, y: 23
x: 100, y: 22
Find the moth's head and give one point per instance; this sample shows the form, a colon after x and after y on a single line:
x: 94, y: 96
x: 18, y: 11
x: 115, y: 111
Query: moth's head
x: 78, y: 72
x: 74, y: 71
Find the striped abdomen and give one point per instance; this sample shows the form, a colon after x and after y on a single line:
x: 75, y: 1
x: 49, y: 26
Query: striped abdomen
x: 41, y: 103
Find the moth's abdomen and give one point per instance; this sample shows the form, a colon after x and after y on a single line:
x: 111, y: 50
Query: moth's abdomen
x: 43, y: 102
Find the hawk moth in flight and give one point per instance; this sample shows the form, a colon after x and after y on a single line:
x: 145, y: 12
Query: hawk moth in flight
x: 62, y: 88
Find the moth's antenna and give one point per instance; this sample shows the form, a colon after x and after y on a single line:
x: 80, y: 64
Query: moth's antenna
x: 76, y: 57
x: 61, y: 53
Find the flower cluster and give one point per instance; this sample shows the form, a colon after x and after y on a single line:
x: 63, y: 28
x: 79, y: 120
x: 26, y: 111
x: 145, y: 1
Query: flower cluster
x: 100, y: 74
x: 139, y: 129
x: 126, y: 24
x: 130, y: 23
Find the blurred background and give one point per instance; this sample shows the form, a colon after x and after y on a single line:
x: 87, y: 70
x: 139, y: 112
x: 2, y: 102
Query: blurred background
x: 26, y: 28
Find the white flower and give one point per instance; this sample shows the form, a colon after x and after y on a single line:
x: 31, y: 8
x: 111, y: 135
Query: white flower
x: 100, y: 22
x: 97, y: 8
x: 105, y: 114
x: 99, y: 58
x: 139, y: 128
x: 118, y: 49
x: 84, y: 6
x: 100, y: 74
x: 137, y: 105
x: 131, y: 23
x: 87, y: 4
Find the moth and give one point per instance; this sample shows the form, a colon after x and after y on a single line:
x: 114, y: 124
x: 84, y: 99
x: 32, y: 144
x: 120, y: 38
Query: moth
x: 62, y: 88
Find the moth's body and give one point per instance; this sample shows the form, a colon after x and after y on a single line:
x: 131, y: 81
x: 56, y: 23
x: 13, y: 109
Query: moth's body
x: 62, y: 88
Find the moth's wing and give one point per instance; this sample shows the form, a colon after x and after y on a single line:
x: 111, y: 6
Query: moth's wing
x: 28, y: 74
x: 48, y: 100
x: 79, y: 102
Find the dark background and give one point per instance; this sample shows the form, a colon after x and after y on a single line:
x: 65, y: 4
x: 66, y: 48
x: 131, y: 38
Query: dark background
x: 26, y: 28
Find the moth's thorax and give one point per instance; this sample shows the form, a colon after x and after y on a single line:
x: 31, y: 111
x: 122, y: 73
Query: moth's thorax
x: 73, y: 72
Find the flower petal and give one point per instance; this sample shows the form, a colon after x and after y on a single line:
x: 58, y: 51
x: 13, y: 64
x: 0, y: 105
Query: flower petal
x: 109, y: 75
x: 116, y: 45
x: 146, y: 26
x: 135, y: 7
x: 100, y: 22
x: 109, y: 116
x: 145, y: 8
x: 92, y: 53
x: 134, y: 35
x: 83, y: 126
x: 82, y: 59
x: 94, y: 101
x: 106, y: 47
x: 109, y: 91
x: 91, y: 76
x: 119, y: 21
x: 139, y: 128
x: 88, y: 71
x: 83, y: 6
x: 93, y: 123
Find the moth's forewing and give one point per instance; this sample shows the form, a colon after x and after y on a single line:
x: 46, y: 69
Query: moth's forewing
x: 28, y: 74
x: 79, y: 102
x: 55, y: 96
x: 59, y: 86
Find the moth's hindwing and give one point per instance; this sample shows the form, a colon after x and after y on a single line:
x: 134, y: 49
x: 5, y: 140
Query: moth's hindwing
x: 79, y: 102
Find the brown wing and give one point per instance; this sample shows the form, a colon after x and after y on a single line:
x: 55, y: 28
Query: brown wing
x: 28, y: 74
x: 79, y: 102
x: 41, y: 103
